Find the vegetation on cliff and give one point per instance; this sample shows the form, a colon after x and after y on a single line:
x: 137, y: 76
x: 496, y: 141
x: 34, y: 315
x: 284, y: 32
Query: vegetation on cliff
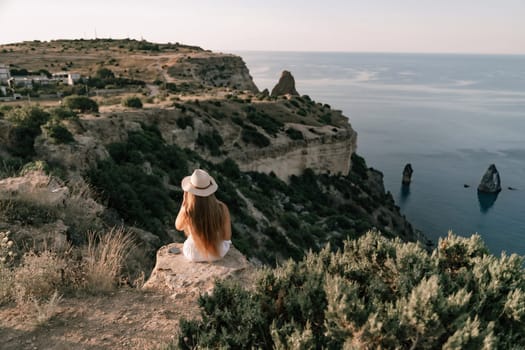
x: 373, y: 293
x: 284, y: 219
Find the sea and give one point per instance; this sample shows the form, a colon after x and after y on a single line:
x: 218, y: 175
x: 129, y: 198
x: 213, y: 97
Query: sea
x: 449, y: 115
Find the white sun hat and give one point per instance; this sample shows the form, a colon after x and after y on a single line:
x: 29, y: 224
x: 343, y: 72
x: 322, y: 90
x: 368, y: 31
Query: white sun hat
x: 200, y: 183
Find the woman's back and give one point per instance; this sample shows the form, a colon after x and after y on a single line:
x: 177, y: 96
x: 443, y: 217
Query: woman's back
x: 204, y: 219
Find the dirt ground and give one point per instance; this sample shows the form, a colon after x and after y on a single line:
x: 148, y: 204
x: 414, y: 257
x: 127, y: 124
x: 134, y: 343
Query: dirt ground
x: 125, y: 319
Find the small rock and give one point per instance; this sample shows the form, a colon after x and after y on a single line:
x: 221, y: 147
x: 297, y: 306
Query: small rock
x: 466, y: 186
x: 407, y: 174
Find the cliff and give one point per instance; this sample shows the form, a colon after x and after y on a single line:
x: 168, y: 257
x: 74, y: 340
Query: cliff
x: 286, y: 165
x: 217, y: 70
x: 323, y: 149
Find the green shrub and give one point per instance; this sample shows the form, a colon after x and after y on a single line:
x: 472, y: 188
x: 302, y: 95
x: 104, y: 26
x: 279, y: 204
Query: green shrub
x: 80, y: 103
x: 133, y: 102
x: 326, y: 118
x: 37, y: 165
x: 171, y: 87
x: 140, y: 197
x: 249, y: 134
x: 374, y: 293
x: 61, y: 113
x: 30, y: 117
x: 59, y: 133
x: 294, y: 134
x: 27, y: 121
x: 213, y: 141
x: 265, y: 121
x: 104, y: 73
x: 359, y: 165
x: 185, y: 121
x: 27, y: 212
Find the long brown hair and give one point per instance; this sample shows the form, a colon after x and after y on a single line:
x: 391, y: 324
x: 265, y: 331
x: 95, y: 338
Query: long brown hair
x: 205, y: 217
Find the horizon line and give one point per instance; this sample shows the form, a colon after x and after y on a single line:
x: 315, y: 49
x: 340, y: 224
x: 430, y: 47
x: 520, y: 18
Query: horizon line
x: 221, y: 50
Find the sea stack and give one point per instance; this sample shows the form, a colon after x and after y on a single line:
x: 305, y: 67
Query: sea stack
x: 407, y: 174
x: 490, y: 182
x: 285, y: 86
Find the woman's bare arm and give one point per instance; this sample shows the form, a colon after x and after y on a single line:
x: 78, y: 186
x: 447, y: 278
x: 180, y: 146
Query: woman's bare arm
x: 180, y: 222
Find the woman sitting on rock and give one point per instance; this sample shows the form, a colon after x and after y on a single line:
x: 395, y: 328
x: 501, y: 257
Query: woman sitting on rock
x: 204, y: 219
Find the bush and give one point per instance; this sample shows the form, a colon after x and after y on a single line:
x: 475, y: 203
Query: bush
x: 359, y: 165
x: 294, y: 134
x: 59, y: 133
x: 39, y: 276
x: 213, y: 141
x: 61, y: 113
x: 133, y: 102
x: 185, y: 121
x: 268, y: 123
x: 140, y: 197
x: 104, y: 73
x: 375, y: 293
x: 250, y: 134
x: 26, y: 212
x: 80, y: 103
x: 29, y: 117
x: 27, y: 121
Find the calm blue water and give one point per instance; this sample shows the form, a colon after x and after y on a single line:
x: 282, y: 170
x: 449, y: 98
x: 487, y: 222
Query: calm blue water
x: 450, y: 116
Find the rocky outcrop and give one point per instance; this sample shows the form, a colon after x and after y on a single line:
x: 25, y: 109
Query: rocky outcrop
x: 490, y: 182
x: 36, y: 187
x: 285, y: 86
x: 175, y: 275
x: 42, y: 211
x: 407, y: 174
x: 218, y: 70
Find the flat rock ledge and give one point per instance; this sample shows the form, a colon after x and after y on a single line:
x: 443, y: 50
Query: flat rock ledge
x: 175, y: 275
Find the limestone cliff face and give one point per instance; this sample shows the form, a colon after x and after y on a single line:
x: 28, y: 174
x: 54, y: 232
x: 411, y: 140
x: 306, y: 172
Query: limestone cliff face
x: 218, y: 70
x: 327, y: 150
x: 324, y: 149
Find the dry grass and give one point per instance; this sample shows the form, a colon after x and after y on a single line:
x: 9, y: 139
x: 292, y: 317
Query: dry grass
x: 6, y: 284
x: 39, y: 276
x: 45, y: 310
x: 38, y: 281
x: 81, y: 210
x: 105, y: 256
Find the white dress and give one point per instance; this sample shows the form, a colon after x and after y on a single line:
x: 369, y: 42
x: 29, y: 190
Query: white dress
x: 191, y: 252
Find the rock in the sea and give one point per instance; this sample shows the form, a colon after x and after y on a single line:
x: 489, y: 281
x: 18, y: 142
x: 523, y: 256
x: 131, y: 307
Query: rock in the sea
x: 407, y: 174
x: 286, y: 85
x: 176, y: 275
x: 490, y: 182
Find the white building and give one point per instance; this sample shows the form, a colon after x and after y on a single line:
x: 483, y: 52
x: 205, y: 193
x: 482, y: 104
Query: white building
x: 28, y: 80
x: 4, y: 73
x: 67, y: 77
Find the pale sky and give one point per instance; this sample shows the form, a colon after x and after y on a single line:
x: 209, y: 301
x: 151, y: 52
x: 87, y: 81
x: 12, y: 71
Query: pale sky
x: 448, y: 26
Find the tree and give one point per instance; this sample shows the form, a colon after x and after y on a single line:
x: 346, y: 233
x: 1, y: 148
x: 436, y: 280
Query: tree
x: 104, y: 73
x: 81, y: 103
x: 132, y: 101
